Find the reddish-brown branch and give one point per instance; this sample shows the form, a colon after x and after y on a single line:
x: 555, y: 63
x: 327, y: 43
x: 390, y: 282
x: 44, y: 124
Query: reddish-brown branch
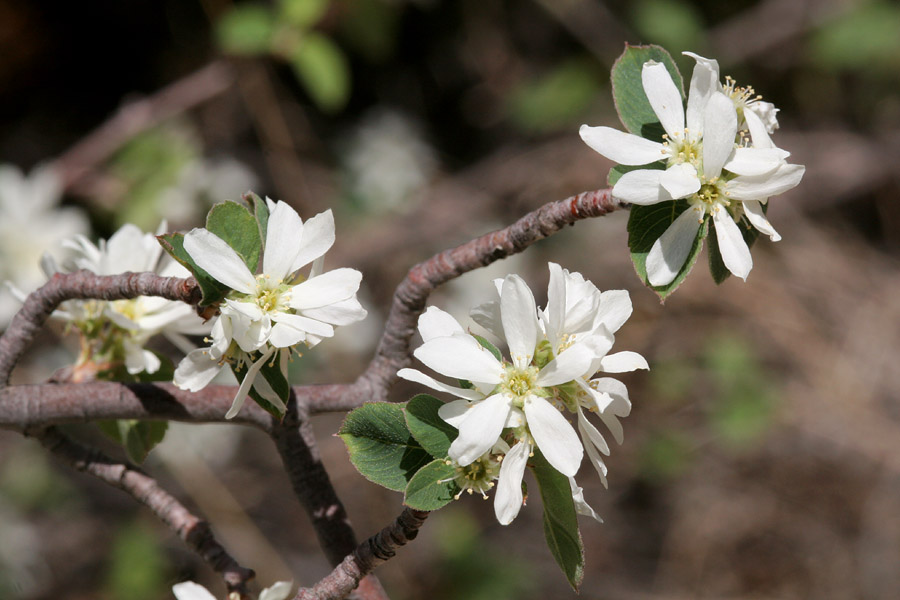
x: 193, y: 531
x: 374, y: 551
x: 31, y: 407
x: 82, y: 285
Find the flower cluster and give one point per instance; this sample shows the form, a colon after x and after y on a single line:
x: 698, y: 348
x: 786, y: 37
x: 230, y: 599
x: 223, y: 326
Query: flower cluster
x: 716, y: 154
x: 115, y: 333
x: 188, y: 590
x: 266, y: 314
x: 507, y: 408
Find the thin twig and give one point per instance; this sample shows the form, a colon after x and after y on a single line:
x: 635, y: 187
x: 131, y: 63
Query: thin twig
x: 135, y: 117
x: 41, y: 303
x: 195, y: 532
x: 376, y: 550
x: 296, y: 444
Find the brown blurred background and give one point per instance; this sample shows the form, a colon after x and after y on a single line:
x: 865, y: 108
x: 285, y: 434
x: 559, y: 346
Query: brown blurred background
x: 762, y: 457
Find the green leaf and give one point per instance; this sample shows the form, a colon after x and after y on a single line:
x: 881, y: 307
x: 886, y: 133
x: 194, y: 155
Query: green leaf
x: 488, y: 346
x: 432, y: 486
x: 628, y: 90
x: 303, y: 13
x: 560, y: 519
x: 212, y: 291
x: 246, y: 29
x: 427, y: 427
x: 235, y: 224
x: 645, y: 225
x: 381, y: 447
x: 717, y: 267
x: 260, y: 210
x: 137, y: 437
x: 320, y: 64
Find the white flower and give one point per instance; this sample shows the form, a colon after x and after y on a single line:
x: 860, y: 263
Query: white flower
x: 734, y: 182
x: 31, y: 223
x: 188, y: 590
x: 269, y: 313
x: 707, y: 162
x: 519, y: 402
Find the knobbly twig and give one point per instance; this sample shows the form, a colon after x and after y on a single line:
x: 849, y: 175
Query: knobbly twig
x: 34, y: 409
x: 193, y: 531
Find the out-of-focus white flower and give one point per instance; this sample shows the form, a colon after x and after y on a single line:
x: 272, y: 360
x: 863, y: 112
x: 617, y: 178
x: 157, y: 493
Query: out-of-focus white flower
x: 31, y: 223
x: 388, y: 161
x: 188, y: 590
x: 518, y: 402
x: 269, y: 313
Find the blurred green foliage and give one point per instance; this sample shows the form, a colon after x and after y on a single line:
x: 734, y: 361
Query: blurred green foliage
x: 674, y: 24
x: 286, y: 31
x: 865, y: 38
x: 469, y: 569
x: 138, y: 568
x: 29, y: 482
x: 557, y: 99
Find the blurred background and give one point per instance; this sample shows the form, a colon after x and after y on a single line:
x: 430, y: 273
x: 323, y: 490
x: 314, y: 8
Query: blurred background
x: 762, y: 457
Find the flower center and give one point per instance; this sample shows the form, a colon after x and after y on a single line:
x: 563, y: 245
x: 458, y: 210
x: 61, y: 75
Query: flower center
x: 682, y: 147
x: 478, y: 476
x: 519, y: 382
x: 741, y: 96
x: 271, y: 296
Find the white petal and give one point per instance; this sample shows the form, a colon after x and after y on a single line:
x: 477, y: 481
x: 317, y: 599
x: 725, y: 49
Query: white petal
x: 704, y: 81
x: 508, y: 498
x: 304, y: 324
x: 623, y: 148
x: 455, y: 411
x: 326, y: 289
x: 758, y: 131
x: 664, y: 97
x: 480, y: 428
x: 572, y: 363
x: 594, y: 437
x: 285, y: 336
x: 615, y: 389
x: 317, y: 238
x: 766, y: 112
x: 719, y: 129
x: 519, y: 315
x: 213, y: 255
x: 265, y: 390
x: 612, y: 423
x: 599, y: 401
x: 460, y: 357
x: 581, y: 506
x: 344, y: 312
x: 734, y: 250
x: 250, y: 310
x: 622, y: 362
x: 596, y: 461
x: 556, y: 303
x: 641, y: 187
x: 756, y: 216
x: 614, y: 309
x: 436, y: 323
x: 554, y: 435
x: 283, y: 234
x: 280, y: 591
x: 247, y: 382
x: 680, y: 180
x: 755, y: 161
x: 189, y: 590
x: 420, y: 377
x: 669, y: 252
x: 196, y: 370
x: 488, y: 316
x: 763, y: 186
